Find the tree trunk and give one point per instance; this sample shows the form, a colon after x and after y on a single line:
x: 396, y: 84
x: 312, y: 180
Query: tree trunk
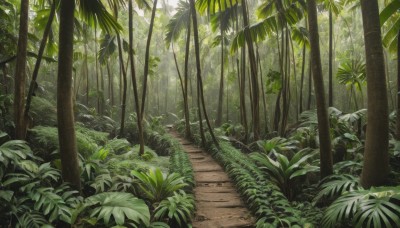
x: 302, y: 78
x: 253, y: 76
x: 330, y: 58
x: 65, y: 116
x: 322, y: 110
x: 20, y: 72
x: 199, y: 79
x: 33, y: 82
x: 147, y: 57
x: 398, y: 89
x: 134, y: 82
x: 186, y: 104
x: 376, y: 157
x: 218, y: 120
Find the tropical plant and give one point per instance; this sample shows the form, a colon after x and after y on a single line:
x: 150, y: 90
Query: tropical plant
x: 284, y: 171
x: 113, y: 208
x: 277, y: 144
x: 177, y: 209
x: 376, y: 207
x: 155, y: 186
x: 335, y: 185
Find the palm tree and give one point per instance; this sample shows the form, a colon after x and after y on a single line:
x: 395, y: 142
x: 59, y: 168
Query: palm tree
x: 20, y: 72
x: 376, y: 157
x: 199, y: 78
x: 352, y: 74
x: 180, y: 21
x: 322, y: 110
x: 65, y: 115
x: 92, y: 11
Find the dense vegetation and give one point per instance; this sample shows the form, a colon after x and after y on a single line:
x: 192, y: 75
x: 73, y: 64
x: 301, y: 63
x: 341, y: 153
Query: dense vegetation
x: 298, y: 101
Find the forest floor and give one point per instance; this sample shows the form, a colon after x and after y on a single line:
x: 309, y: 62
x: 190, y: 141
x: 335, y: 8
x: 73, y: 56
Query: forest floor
x: 217, y: 202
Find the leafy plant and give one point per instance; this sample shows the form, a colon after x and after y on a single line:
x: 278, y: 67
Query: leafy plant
x: 277, y: 144
x: 178, y: 209
x: 114, y: 208
x: 335, y: 185
x: 376, y: 207
x: 284, y: 171
x: 156, y: 187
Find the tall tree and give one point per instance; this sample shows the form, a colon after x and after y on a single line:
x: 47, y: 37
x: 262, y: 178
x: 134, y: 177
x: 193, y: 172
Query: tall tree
x: 20, y: 72
x: 322, y: 110
x: 376, y: 157
x: 134, y: 81
x: 65, y: 116
x: 198, y: 66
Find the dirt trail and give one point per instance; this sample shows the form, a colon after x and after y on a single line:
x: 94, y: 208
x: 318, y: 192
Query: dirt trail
x: 217, y: 202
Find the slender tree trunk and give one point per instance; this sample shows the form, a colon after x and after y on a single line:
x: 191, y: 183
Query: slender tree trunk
x: 134, y: 82
x: 199, y: 79
x: 302, y: 78
x: 97, y: 70
x: 87, y: 73
x: 398, y: 89
x: 111, y: 84
x: 218, y: 120
x: 310, y: 73
x: 376, y: 157
x: 20, y: 72
x: 147, y: 57
x: 42, y: 46
x: 330, y: 58
x: 65, y: 116
x: 322, y: 110
x: 254, y: 78
x: 186, y: 104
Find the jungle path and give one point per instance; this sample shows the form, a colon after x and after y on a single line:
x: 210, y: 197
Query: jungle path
x: 217, y: 202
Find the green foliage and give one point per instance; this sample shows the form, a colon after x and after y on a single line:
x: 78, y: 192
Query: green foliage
x: 273, y: 84
x: 377, y: 207
x: 13, y: 153
x: 114, y: 208
x: 118, y: 146
x: 177, y: 209
x: 43, y: 112
x: 334, y: 186
x: 352, y: 73
x: 155, y: 186
x: 277, y: 145
x: 284, y: 171
x: 87, y: 140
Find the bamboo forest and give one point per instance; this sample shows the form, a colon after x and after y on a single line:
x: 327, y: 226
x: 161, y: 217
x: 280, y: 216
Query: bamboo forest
x: 199, y: 113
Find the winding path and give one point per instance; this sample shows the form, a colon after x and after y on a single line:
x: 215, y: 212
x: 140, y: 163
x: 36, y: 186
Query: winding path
x: 217, y: 202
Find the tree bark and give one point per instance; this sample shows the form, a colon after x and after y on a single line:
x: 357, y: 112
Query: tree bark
x: 218, y: 120
x: 398, y: 89
x: 322, y: 110
x: 20, y: 72
x: 330, y: 58
x: 376, y: 157
x: 65, y: 115
x: 302, y: 78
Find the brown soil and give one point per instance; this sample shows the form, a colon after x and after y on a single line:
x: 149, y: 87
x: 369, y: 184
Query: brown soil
x: 217, y: 202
